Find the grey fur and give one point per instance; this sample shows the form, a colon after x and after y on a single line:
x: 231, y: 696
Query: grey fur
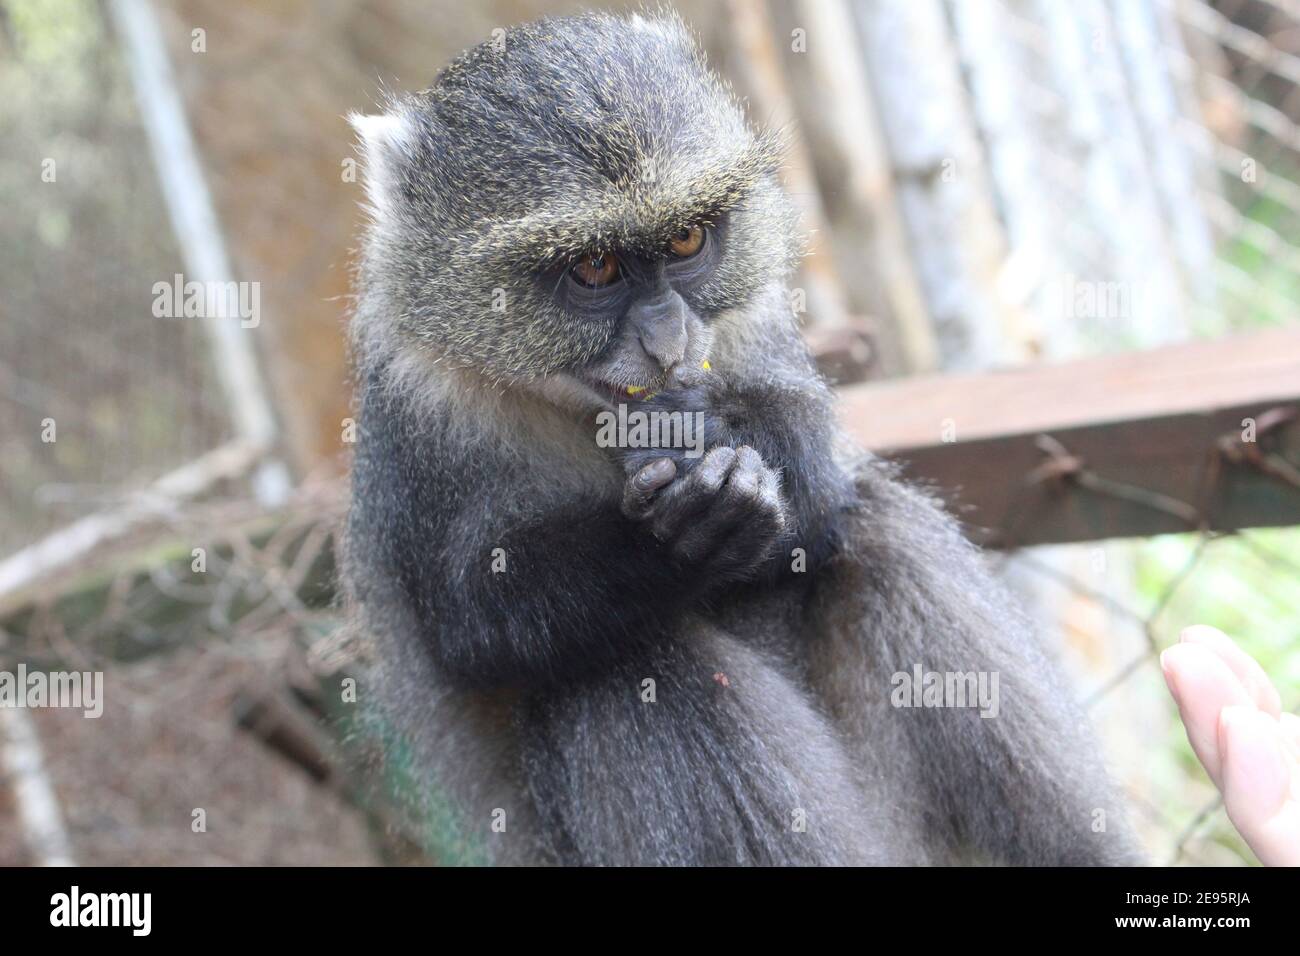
x: 514, y: 159
x: 771, y: 739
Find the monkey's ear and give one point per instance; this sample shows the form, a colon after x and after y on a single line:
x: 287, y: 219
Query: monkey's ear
x: 384, y: 141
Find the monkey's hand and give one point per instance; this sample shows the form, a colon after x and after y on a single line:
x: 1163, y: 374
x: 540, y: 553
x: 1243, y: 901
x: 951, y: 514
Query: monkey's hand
x: 723, y: 518
x: 689, y: 408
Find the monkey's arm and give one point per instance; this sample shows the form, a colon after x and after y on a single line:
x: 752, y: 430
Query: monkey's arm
x: 513, y: 581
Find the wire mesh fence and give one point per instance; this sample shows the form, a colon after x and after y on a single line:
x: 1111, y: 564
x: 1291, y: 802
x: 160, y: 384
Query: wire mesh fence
x: 1243, y: 63
x: 1144, y: 162
x: 98, y: 396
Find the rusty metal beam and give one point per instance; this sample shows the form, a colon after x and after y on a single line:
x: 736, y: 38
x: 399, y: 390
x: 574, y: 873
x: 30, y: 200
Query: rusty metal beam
x: 1125, y: 445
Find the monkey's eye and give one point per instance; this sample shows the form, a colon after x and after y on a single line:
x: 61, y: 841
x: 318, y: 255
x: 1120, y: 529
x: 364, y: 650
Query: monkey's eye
x: 687, y: 242
x: 598, y: 269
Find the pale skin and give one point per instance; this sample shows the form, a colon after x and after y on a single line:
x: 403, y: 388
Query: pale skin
x: 1247, y: 744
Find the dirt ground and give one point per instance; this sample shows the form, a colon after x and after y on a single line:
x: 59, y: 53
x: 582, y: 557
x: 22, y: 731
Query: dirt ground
x: 169, y: 744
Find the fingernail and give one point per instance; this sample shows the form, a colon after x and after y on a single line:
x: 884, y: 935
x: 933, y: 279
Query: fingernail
x: 657, y: 471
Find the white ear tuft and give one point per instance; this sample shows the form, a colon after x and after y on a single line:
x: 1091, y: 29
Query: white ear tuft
x: 384, y: 142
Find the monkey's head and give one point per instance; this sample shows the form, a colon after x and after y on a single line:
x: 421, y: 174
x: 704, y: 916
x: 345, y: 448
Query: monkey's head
x: 575, y: 199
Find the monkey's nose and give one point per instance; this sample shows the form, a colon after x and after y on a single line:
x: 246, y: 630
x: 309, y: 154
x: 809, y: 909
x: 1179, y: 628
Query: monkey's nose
x: 660, y: 323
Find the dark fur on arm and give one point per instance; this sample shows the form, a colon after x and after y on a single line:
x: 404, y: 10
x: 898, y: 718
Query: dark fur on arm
x: 581, y: 585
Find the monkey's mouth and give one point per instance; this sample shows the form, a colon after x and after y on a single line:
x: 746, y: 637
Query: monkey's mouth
x: 615, y: 394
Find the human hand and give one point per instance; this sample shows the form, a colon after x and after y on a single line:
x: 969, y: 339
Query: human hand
x: 1249, y: 747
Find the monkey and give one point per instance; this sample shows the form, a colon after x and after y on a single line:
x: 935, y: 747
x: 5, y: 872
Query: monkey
x: 657, y: 655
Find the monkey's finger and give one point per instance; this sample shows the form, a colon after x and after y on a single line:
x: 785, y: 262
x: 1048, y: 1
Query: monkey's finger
x: 750, y: 516
x: 1261, y: 784
x: 732, y: 504
x: 1247, y: 669
x: 639, y: 490
x: 753, y: 494
x: 1203, y: 685
x: 694, y: 495
x: 770, y: 492
x: 685, y: 375
x: 756, y: 488
x: 710, y: 475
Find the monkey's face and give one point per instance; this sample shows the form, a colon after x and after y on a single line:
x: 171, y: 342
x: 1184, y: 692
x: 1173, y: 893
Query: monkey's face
x: 651, y: 301
x: 577, y: 203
